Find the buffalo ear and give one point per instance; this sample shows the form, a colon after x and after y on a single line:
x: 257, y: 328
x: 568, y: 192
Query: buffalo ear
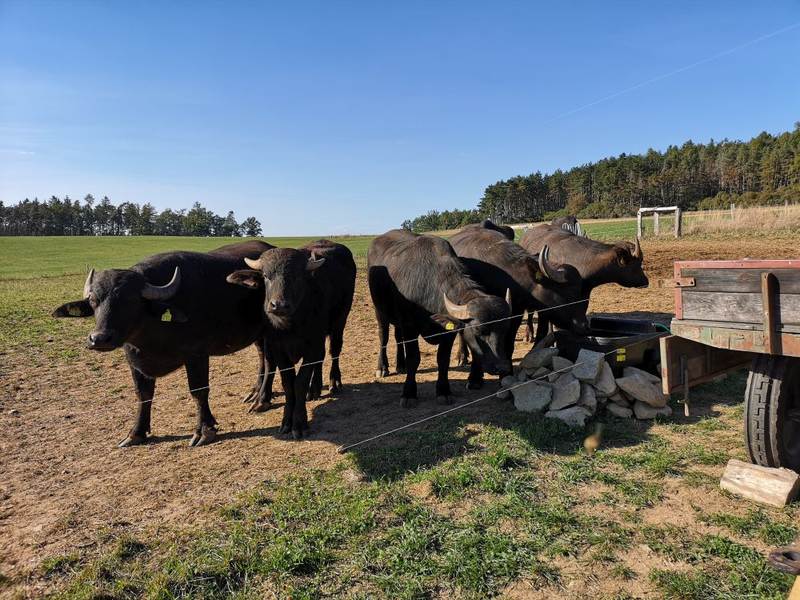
x: 248, y: 278
x: 78, y: 308
x: 447, y: 322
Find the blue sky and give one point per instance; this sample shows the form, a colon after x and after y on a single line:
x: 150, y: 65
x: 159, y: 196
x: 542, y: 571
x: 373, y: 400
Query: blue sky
x: 347, y: 117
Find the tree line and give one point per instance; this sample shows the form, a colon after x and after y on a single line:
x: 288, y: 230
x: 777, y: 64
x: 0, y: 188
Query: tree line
x: 762, y: 171
x: 58, y: 216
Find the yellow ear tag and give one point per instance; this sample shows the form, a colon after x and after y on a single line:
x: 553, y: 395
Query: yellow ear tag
x: 166, y: 316
x: 450, y: 326
x: 74, y: 311
x: 538, y: 276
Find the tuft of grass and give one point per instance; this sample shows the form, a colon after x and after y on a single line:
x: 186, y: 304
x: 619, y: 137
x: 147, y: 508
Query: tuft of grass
x: 755, y: 524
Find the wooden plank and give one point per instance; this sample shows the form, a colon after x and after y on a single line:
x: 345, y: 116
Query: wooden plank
x: 741, y: 326
x: 744, y: 263
x: 774, y: 487
x: 686, y: 363
x: 737, y: 307
x: 741, y: 280
x: 769, y: 312
x: 733, y: 338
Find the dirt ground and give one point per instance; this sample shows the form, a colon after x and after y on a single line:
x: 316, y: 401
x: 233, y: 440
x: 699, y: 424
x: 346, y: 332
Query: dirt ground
x: 64, y: 481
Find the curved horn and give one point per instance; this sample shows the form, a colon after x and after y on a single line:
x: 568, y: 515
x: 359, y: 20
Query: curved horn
x: 314, y: 262
x: 508, y: 298
x: 547, y: 269
x: 253, y: 264
x: 458, y: 311
x: 163, y: 292
x: 87, y: 287
x: 637, y: 248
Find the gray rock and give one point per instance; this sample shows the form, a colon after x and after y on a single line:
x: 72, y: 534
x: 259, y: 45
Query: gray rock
x: 640, y: 388
x: 561, y: 364
x: 619, y: 411
x: 565, y: 378
x: 522, y: 376
x: 644, y: 411
x: 619, y: 399
x: 628, y: 371
x: 508, y: 381
x: 587, y: 367
x: 540, y: 357
x: 588, y: 398
x: 566, y: 395
x: 574, y: 416
x: 539, y: 373
x: 606, y: 384
x: 532, y: 397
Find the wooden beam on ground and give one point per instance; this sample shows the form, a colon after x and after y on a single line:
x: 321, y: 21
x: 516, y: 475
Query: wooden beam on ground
x: 774, y: 487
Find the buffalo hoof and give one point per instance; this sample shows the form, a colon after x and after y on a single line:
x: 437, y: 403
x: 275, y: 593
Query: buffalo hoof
x: 132, y: 440
x: 380, y: 373
x: 205, y: 436
x: 297, y: 434
x: 408, y: 402
x: 463, y: 362
x: 314, y: 393
x: 444, y: 400
x: 335, y: 388
x: 401, y: 370
x: 260, y: 407
x: 284, y: 429
x: 474, y: 385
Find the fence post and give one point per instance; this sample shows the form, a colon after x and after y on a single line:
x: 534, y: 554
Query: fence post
x: 733, y: 211
x: 678, y: 224
x: 639, y: 224
x: 656, y: 226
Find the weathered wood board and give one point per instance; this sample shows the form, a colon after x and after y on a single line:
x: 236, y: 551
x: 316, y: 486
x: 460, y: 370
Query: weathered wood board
x: 738, y: 307
x: 701, y: 362
x: 775, y: 487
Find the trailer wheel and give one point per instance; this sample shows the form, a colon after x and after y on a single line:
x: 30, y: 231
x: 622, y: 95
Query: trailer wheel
x: 772, y: 411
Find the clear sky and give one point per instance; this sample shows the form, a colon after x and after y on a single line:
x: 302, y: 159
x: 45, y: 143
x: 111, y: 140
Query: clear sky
x: 349, y: 117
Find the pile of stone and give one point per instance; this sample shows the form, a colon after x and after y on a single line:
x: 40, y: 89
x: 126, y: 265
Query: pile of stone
x: 574, y: 392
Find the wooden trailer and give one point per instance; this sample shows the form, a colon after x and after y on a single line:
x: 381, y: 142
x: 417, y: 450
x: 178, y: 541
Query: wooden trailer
x: 733, y: 314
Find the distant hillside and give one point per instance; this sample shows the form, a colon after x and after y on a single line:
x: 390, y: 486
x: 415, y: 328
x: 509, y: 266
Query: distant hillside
x: 762, y: 171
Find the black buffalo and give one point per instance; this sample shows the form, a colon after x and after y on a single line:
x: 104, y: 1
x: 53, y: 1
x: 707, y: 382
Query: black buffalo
x: 569, y: 223
x: 506, y: 230
x: 419, y: 285
x: 307, y: 295
x: 499, y: 264
x: 194, y: 315
x: 598, y: 263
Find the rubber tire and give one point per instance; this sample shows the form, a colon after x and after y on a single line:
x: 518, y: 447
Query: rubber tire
x: 773, y: 388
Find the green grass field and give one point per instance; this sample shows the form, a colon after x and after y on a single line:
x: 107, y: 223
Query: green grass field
x: 22, y: 257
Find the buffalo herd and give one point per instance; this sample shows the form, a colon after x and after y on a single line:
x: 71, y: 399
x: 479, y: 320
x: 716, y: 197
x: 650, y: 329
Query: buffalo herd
x: 180, y: 308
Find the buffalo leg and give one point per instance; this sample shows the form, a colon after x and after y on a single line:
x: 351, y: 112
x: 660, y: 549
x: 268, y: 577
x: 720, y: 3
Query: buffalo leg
x: 542, y: 328
x: 529, y: 328
x: 463, y: 351
x: 302, y: 389
x: 443, y: 363
x: 383, y: 340
x: 336, y: 343
x: 409, y: 397
x: 197, y: 375
x: 266, y: 375
x: 511, y: 337
x: 256, y: 391
x: 288, y: 376
x: 315, y: 386
x: 475, y: 378
x: 145, y: 390
x: 401, y: 350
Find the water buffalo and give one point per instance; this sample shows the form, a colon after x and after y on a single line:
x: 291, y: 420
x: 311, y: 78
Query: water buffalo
x: 307, y: 295
x: 569, y: 223
x: 598, y: 263
x: 420, y: 286
x: 506, y: 230
x: 196, y: 314
x: 499, y: 264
